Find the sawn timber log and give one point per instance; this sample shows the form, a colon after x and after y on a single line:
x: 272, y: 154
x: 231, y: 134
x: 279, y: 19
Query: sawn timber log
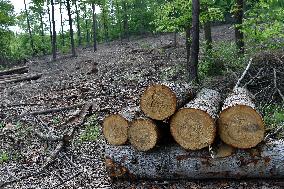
x: 173, y: 162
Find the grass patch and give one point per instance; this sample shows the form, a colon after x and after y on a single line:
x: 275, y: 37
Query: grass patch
x: 4, y: 157
x: 91, y: 132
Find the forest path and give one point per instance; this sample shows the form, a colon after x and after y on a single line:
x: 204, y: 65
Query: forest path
x: 112, y: 78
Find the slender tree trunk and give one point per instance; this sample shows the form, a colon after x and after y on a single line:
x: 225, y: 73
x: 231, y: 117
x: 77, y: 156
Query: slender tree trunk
x: 71, y: 28
x: 105, y: 23
x: 87, y: 26
x: 188, y: 44
x: 49, y: 20
x: 94, y: 27
x: 193, y: 66
x: 54, y: 31
x: 62, y: 25
x: 42, y: 31
x: 125, y: 20
x: 29, y: 28
x: 118, y: 19
x: 78, y: 25
x: 208, y: 33
x: 239, y: 35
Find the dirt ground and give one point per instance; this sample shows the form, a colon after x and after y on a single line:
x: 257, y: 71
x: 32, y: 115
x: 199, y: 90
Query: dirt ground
x: 111, y: 78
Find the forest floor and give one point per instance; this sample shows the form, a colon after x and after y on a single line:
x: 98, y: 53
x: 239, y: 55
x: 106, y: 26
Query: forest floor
x: 111, y: 78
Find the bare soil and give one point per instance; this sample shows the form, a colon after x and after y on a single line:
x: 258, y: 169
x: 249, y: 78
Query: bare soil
x: 112, y: 78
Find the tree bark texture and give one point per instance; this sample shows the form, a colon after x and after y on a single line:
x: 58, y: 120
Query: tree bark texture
x: 29, y: 28
x: 71, y: 28
x: 53, y: 31
x: 193, y: 67
x: 173, y: 162
x: 94, y: 27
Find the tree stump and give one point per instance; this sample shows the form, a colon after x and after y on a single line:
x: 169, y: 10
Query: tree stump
x: 239, y: 124
x: 193, y: 127
x: 160, y: 101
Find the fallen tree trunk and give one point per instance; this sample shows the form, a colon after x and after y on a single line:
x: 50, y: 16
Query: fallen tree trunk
x: 239, y: 124
x: 160, y: 101
x: 143, y: 134
x: 21, y: 78
x: 193, y: 127
x: 173, y: 162
x: 19, y: 70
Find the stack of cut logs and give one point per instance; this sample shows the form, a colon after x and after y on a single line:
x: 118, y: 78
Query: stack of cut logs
x: 192, y: 119
x: 18, y: 74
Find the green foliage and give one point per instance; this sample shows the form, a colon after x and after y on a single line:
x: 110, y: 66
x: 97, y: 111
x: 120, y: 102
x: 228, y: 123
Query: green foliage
x: 273, y: 116
x: 91, y: 131
x: 264, y: 24
x: 221, y: 59
x: 4, y: 157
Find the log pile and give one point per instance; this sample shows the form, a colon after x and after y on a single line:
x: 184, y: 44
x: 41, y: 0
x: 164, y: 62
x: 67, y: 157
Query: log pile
x: 193, y: 121
x: 18, y: 74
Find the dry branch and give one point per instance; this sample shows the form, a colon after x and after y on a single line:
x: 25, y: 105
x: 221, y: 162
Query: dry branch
x: 19, y: 70
x: 21, y: 78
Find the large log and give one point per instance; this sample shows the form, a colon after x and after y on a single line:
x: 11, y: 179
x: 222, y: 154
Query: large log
x: 160, y: 101
x: 239, y: 124
x: 173, y: 162
x: 18, y: 70
x: 193, y: 127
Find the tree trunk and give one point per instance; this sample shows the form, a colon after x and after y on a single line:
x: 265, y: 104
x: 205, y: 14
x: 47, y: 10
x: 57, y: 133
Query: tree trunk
x: 87, y: 26
x: 160, y: 101
x: 62, y: 25
x: 193, y: 66
x: 105, y: 23
x: 71, y: 28
x: 54, y: 32
x: 239, y: 35
x: 29, y: 28
x: 125, y: 20
x: 42, y: 31
x: 207, y: 32
x: 193, y: 127
x: 118, y: 19
x: 49, y: 20
x: 78, y: 25
x: 240, y: 125
x: 18, y: 70
x: 94, y: 27
x: 173, y: 162
x: 187, y: 45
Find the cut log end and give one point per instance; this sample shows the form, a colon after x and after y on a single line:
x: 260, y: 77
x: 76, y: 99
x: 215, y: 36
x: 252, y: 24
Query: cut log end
x: 143, y: 134
x: 115, y: 129
x: 193, y: 129
x: 241, y: 127
x: 158, y: 102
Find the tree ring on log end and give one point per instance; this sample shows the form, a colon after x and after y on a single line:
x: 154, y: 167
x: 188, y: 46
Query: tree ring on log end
x: 193, y: 129
x: 241, y: 127
x: 115, y: 128
x: 158, y: 102
x: 143, y: 134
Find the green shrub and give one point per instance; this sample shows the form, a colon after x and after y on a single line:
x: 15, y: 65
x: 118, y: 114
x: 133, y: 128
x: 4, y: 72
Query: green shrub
x: 4, y: 157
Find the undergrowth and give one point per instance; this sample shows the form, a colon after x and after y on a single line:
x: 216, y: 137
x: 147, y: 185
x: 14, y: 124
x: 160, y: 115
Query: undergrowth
x: 91, y: 131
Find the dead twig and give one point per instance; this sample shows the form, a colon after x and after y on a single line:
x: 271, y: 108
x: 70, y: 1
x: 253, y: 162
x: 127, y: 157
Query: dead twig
x: 274, y: 133
x: 244, y: 74
x: 275, y: 84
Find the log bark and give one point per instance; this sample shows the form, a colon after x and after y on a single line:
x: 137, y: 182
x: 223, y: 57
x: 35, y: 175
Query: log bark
x: 193, y: 127
x: 19, y: 70
x: 239, y: 124
x: 21, y: 78
x: 160, y: 101
x: 173, y: 162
